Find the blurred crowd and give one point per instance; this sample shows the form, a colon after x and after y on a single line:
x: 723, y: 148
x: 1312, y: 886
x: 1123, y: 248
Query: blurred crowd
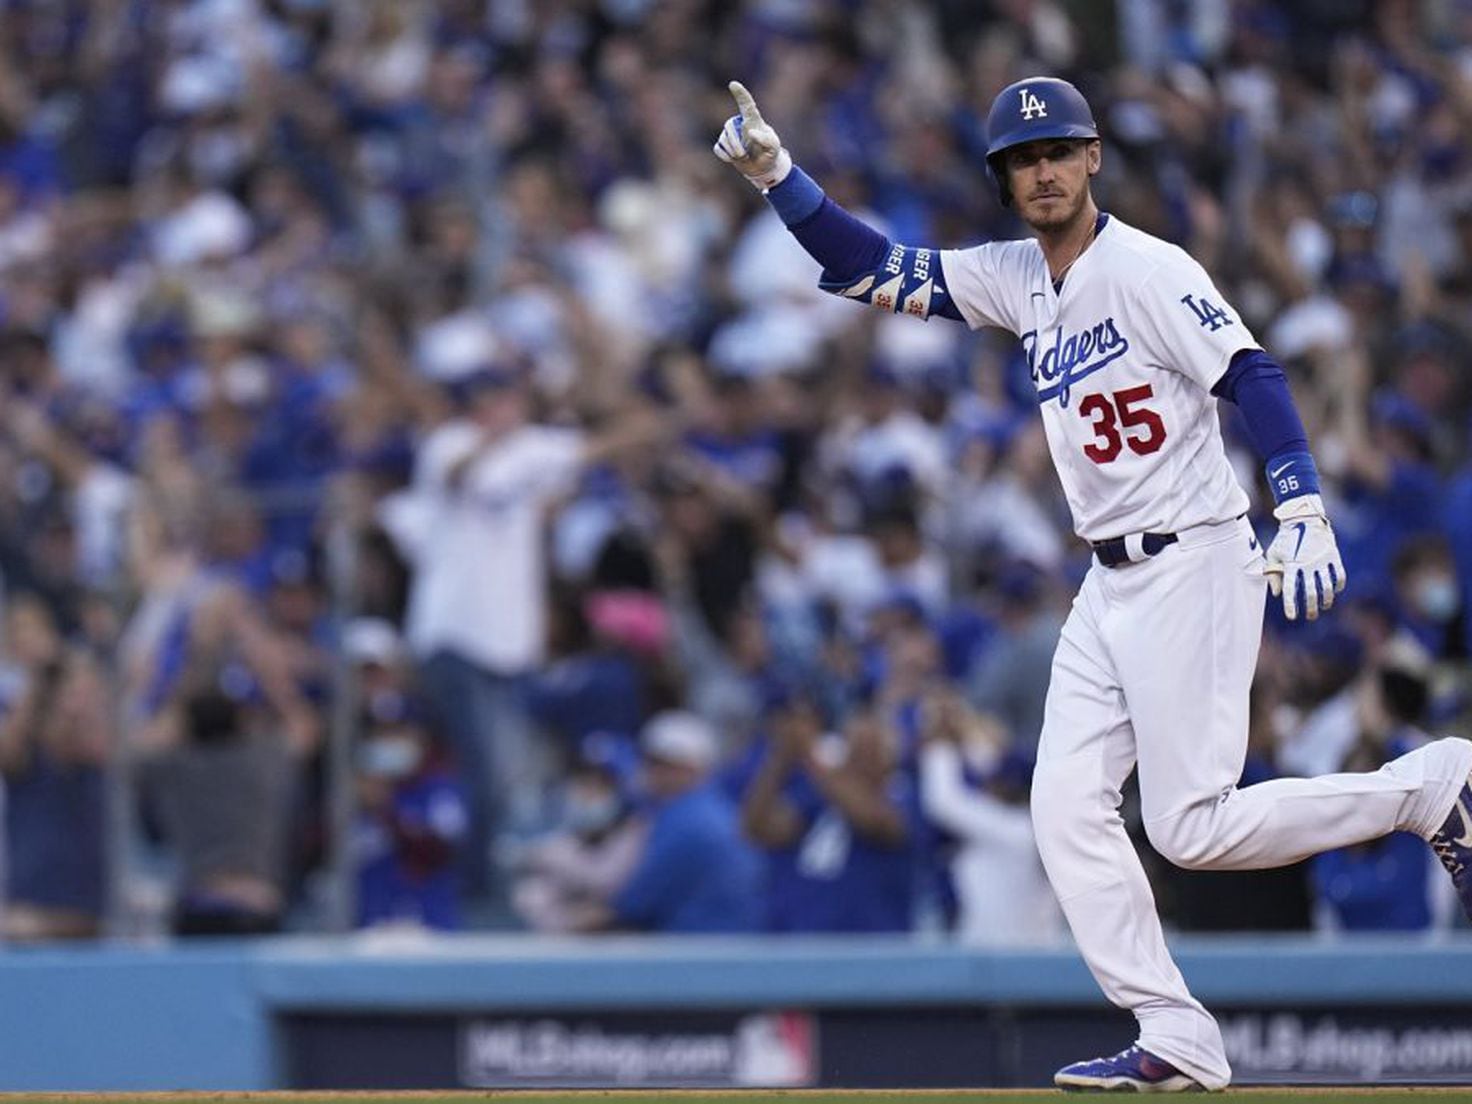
x: 425, y: 470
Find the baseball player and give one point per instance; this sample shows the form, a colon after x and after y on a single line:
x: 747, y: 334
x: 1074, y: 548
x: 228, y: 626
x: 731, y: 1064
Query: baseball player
x: 1131, y: 346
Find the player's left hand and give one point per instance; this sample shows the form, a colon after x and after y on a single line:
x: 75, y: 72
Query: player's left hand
x: 1303, y: 561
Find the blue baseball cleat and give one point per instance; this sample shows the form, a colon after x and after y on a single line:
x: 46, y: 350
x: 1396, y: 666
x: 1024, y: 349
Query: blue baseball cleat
x: 1453, y: 845
x: 1132, y: 1070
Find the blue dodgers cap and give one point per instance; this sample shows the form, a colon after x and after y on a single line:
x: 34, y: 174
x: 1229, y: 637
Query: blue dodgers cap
x: 1423, y: 339
x: 1031, y: 109
x: 1374, y: 595
x: 996, y: 427
x: 1013, y: 770
x: 1364, y: 269
x: 611, y: 753
x: 1327, y: 642
x: 903, y: 603
x: 882, y: 375
x: 1390, y: 408
x: 777, y: 695
x: 1359, y: 209
x: 488, y: 377
x: 1020, y: 582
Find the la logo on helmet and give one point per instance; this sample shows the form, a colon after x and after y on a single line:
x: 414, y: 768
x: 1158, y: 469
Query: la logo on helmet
x: 1032, y: 107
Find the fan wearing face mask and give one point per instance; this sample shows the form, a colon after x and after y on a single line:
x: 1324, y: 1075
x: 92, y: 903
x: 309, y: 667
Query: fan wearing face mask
x: 1430, y: 596
x: 571, y: 874
x: 411, y: 823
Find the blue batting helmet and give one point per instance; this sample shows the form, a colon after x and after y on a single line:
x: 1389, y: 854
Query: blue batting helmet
x: 1037, y: 107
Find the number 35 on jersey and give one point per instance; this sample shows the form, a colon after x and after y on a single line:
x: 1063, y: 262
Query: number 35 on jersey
x: 1122, y: 420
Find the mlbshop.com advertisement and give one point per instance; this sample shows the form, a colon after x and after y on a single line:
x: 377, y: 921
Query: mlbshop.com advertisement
x: 777, y: 1050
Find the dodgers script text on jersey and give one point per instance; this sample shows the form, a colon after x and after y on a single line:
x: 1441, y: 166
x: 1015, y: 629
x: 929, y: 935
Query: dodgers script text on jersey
x: 1124, y: 367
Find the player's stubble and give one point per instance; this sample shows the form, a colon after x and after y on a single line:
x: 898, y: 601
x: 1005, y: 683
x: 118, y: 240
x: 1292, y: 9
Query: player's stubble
x: 1055, y: 203
x: 1051, y: 190
x: 1055, y: 217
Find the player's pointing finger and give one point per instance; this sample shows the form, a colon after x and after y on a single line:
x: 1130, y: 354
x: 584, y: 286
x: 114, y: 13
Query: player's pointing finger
x: 745, y: 103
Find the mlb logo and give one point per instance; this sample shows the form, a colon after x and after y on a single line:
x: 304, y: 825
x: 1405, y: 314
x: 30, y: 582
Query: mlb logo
x: 1032, y: 106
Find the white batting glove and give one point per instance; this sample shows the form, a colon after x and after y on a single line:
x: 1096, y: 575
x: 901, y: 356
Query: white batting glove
x: 749, y: 142
x: 1303, y: 560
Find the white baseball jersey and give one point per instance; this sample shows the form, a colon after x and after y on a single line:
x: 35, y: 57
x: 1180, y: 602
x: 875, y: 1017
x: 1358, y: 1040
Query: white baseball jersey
x: 1124, y: 360
x: 1155, y: 661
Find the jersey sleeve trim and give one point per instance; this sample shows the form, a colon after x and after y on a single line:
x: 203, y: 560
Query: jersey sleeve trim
x: 858, y: 261
x: 952, y: 262
x: 909, y: 281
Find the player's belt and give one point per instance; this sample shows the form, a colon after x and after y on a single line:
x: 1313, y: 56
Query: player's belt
x: 1132, y: 549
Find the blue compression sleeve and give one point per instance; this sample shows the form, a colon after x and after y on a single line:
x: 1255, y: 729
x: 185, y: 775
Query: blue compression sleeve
x: 797, y: 198
x: 1256, y: 383
x: 843, y: 245
x: 849, y: 249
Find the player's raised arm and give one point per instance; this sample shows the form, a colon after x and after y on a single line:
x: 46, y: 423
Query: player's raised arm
x: 858, y: 261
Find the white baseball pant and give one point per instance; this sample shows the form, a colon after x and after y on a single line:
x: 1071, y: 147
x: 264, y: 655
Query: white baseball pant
x: 1153, y: 668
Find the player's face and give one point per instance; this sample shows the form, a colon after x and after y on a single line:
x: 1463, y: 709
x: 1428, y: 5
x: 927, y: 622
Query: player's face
x: 1050, y: 179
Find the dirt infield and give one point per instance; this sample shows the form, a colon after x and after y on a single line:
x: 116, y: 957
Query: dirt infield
x: 1278, y: 1095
